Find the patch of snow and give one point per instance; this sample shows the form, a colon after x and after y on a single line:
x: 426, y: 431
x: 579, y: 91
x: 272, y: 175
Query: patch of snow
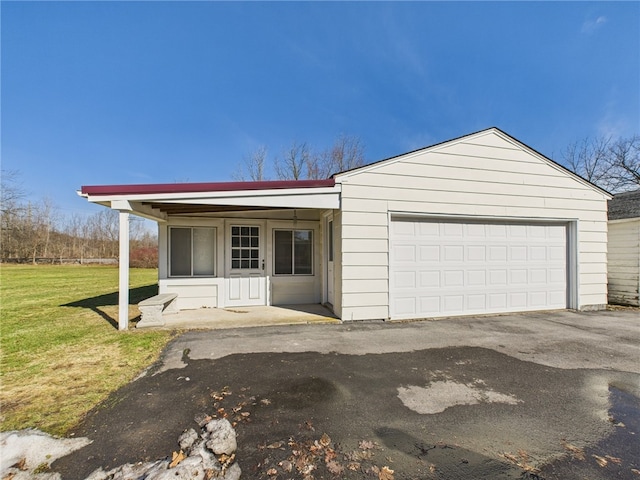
x: 32, y: 449
x: 439, y: 396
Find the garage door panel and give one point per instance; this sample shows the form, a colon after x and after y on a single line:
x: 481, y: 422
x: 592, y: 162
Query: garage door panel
x: 476, y: 253
x: 453, y: 278
x: 538, y: 253
x: 405, y: 253
x: 453, y: 253
x: 518, y: 253
x: 430, y: 279
x: 429, y: 304
x: 405, y: 280
x: 429, y: 253
x: 471, y: 268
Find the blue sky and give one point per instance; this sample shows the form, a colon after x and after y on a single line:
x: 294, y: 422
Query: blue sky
x: 154, y: 92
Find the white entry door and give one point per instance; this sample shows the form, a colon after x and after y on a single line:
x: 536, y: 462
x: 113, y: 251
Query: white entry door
x: 246, y: 278
x: 441, y: 268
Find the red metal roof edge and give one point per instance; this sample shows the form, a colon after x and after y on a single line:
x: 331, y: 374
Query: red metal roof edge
x: 158, y: 188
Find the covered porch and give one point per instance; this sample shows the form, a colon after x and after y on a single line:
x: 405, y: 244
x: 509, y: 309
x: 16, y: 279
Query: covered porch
x: 226, y: 247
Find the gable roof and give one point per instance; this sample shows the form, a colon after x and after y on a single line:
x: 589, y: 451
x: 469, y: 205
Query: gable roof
x: 625, y: 205
x: 494, y: 130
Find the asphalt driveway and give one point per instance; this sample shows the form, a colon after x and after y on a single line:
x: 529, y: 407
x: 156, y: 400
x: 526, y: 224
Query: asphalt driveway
x: 539, y: 395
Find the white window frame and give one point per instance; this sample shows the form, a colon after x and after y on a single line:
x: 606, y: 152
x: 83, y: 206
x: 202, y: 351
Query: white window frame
x: 191, y: 228
x: 293, y: 274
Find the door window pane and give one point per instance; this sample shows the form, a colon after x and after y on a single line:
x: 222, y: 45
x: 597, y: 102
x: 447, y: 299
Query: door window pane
x: 245, y: 247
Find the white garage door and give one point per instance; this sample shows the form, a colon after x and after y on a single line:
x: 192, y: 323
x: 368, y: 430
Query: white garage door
x: 451, y: 268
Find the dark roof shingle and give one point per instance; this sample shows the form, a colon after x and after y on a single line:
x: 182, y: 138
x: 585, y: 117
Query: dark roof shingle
x: 625, y: 205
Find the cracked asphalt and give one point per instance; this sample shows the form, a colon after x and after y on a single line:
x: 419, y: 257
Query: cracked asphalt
x: 537, y: 395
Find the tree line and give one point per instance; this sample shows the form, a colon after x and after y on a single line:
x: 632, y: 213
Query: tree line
x: 37, y: 232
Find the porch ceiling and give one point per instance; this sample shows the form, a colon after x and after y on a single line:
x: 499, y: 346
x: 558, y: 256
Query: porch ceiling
x: 184, y: 208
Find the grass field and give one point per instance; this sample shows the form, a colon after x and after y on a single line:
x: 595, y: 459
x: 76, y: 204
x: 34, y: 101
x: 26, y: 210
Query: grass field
x: 61, y: 351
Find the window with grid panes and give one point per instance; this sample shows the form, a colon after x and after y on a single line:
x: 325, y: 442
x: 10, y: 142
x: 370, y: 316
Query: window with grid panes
x: 245, y: 247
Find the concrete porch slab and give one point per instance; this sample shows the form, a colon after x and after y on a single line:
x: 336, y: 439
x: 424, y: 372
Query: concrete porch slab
x: 236, y: 317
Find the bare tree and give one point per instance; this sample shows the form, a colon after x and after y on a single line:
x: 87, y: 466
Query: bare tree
x: 613, y: 165
x: 346, y: 153
x: 589, y: 159
x: 294, y: 162
x: 301, y: 161
x: 11, y: 190
x: 625, y: 154
x: 253, y: 166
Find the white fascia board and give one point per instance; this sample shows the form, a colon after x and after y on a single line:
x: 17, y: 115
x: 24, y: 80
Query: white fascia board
x: 324, y: 201
x: 328, y: 197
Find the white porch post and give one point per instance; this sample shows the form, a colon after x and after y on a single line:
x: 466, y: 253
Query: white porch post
x: 123, y: 297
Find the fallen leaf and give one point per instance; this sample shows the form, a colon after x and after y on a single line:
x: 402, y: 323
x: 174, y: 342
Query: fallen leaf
x: 316, y: 448
x: 176, y: 458
x: 325, y: 440
x: 385, y: 474
x: 615, y: 460
x: 286, y: 465
x: 272, y: 472
x: 329, y: 455
x: 265, y: 401
x: 226, y: 460
x: 335, y: 468
x: 353, y: 466
x: 600, y: 460
x: 275, y: 445
x: 366, y: 445
x: 22, y: 465
x: 432, y: 468
x: 636, y: 471
x: 245, y: 414
x: 578, y: 453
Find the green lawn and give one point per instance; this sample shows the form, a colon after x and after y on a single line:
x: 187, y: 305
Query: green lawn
x: 61, y: 351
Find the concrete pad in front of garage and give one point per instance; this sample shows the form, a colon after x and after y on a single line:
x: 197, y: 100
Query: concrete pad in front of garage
x: 607, y: 340
x: 450, y: 399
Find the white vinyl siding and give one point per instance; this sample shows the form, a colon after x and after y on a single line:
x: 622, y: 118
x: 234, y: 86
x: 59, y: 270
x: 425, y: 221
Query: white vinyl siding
x: 486, y: 175
x: 624, y: 262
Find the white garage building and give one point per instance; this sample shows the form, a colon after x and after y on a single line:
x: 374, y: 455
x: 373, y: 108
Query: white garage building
x: 478, y: 224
